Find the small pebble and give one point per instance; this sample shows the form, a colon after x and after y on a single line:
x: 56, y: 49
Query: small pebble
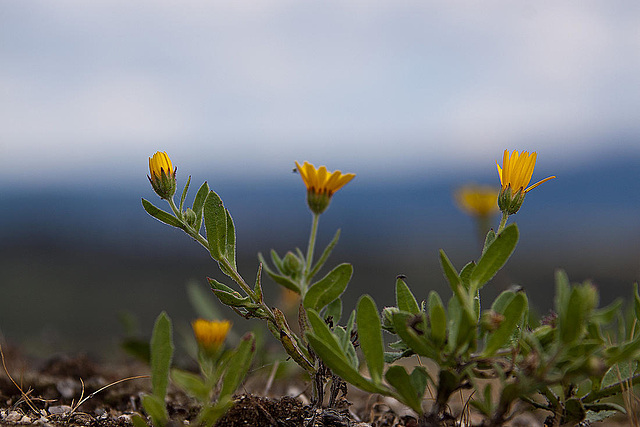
x: 59, y: 409
x: 13, y: 417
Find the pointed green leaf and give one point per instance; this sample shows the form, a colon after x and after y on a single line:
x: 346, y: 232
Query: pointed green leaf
x: 279, y: 279
x: 161, y: 355
x: 198, y: 204
x: 184, y: 194
x: 241, y: 361
x: 328, y: 288
x: 209, y: 414
x: 155, y: 408
x: 466, y: 303
x: 399, y: 379
x: 338, y: 363
x: 192, y: 384
x: 636, y: 301
x: 230, y: 248
x: 494, y: 258
x: 438, y: 319
x: 465, y: 274
x: 488, y: 240
x: 405, y: 299
x: 513, y: 313
x: 325, y: 255
x: 161, y: 215
x: 321, y: 329
x: 334, y: 310
x: 215, y: 222
x: 370, y: 337
x: 416, y: 341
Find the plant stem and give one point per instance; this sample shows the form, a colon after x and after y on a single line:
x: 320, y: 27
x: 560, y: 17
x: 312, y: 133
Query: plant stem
x: 503, y: 222
x: 310, y: 249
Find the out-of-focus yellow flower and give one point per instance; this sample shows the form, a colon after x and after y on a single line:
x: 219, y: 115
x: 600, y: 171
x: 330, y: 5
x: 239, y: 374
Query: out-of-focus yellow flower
x: 321, y: 184
x: 163, y: 175
x: 477, y: 200
x: 515, y: 174
x: 210, y: 334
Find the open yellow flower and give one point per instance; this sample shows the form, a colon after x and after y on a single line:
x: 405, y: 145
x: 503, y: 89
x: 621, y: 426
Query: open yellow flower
x: 515, y: 175
x: 163, y: 175
x: 477, y: 200
x: 210, y: 334
x: 321, y: 185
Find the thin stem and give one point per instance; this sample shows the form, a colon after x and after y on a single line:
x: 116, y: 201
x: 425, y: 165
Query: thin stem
x: 175, y: 209
x: 503, y: 222
x: 310, y: 249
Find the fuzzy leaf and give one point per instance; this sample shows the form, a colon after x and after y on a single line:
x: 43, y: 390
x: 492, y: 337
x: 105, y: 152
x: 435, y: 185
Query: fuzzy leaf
x: 237, y: 370
x: 513, y: 313
x: 184, y: 194
x: 399, y: 379
x: 192, y: 384
x: 328, y: 288
x: 215, y: 222
x: 370, y: 337
x: 405, y: 299
x: 161, y: 215
x: 438, y: 319
x: 495, y: 256
x: 338, y: 363
x: 161, y: 355
x: 198, y: 204
x: 155, y: 408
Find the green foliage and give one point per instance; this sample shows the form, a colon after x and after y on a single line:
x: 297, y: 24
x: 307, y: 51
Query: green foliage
x: 570, y: 364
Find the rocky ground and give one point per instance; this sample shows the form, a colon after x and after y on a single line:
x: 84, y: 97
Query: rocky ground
x: 77, y: 391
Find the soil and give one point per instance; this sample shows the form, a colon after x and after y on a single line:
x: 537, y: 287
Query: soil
x: 76, y: 391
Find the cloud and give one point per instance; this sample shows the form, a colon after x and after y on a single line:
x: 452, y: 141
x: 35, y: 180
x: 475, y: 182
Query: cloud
x: 396, y: 86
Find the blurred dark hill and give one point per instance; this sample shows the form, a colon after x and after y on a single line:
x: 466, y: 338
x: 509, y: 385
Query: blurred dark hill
x: 72, y: 260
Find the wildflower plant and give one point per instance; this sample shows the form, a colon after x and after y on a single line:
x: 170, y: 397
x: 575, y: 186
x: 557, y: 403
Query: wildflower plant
x: 569, y: 365
x: 294, y: 271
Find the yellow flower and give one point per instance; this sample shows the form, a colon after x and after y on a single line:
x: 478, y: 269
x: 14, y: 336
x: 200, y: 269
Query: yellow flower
x: 515, y: 174
x: 163, y: 175
x: 478, y: 200
x: 321, y: 184
x: 210, y: 334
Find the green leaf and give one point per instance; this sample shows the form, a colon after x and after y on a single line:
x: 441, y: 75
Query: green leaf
x: 325, y: 255
x: 328, y: 288
x: 513, y: 313
x: 230, y: 249
x: 334, y: 310
x: 338, y: 363
x: 461, y: 328
x: 405, y: 299
x: 501, y: 302
x: 155, y: 408
x: 184, y: 194
x: 466, y: 303
x: 573, y: 319
x: 399, y: 379
x: 370, y: 337
x: 257, y: 288
x: 161, y: 215
x: 161, y: 355
x: 321, y: 329
x: 238, y: 368
x: 488, y: 240
x: 465, y: 274
x: 438, y: 319
x: 494, y: 258
x: 215, y: 222
x: 279, y: 279
x: 198, y: 204
x: 137, y: 421
x: 192, y: 384
x: 418, y: 342
x: 211, y: 413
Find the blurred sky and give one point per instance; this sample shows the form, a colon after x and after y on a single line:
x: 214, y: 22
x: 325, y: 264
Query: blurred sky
x: 389, y: 89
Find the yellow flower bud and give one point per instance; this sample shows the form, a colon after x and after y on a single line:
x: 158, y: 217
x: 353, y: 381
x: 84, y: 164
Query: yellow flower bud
x: 210, y: 334
x: 162, y: 175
